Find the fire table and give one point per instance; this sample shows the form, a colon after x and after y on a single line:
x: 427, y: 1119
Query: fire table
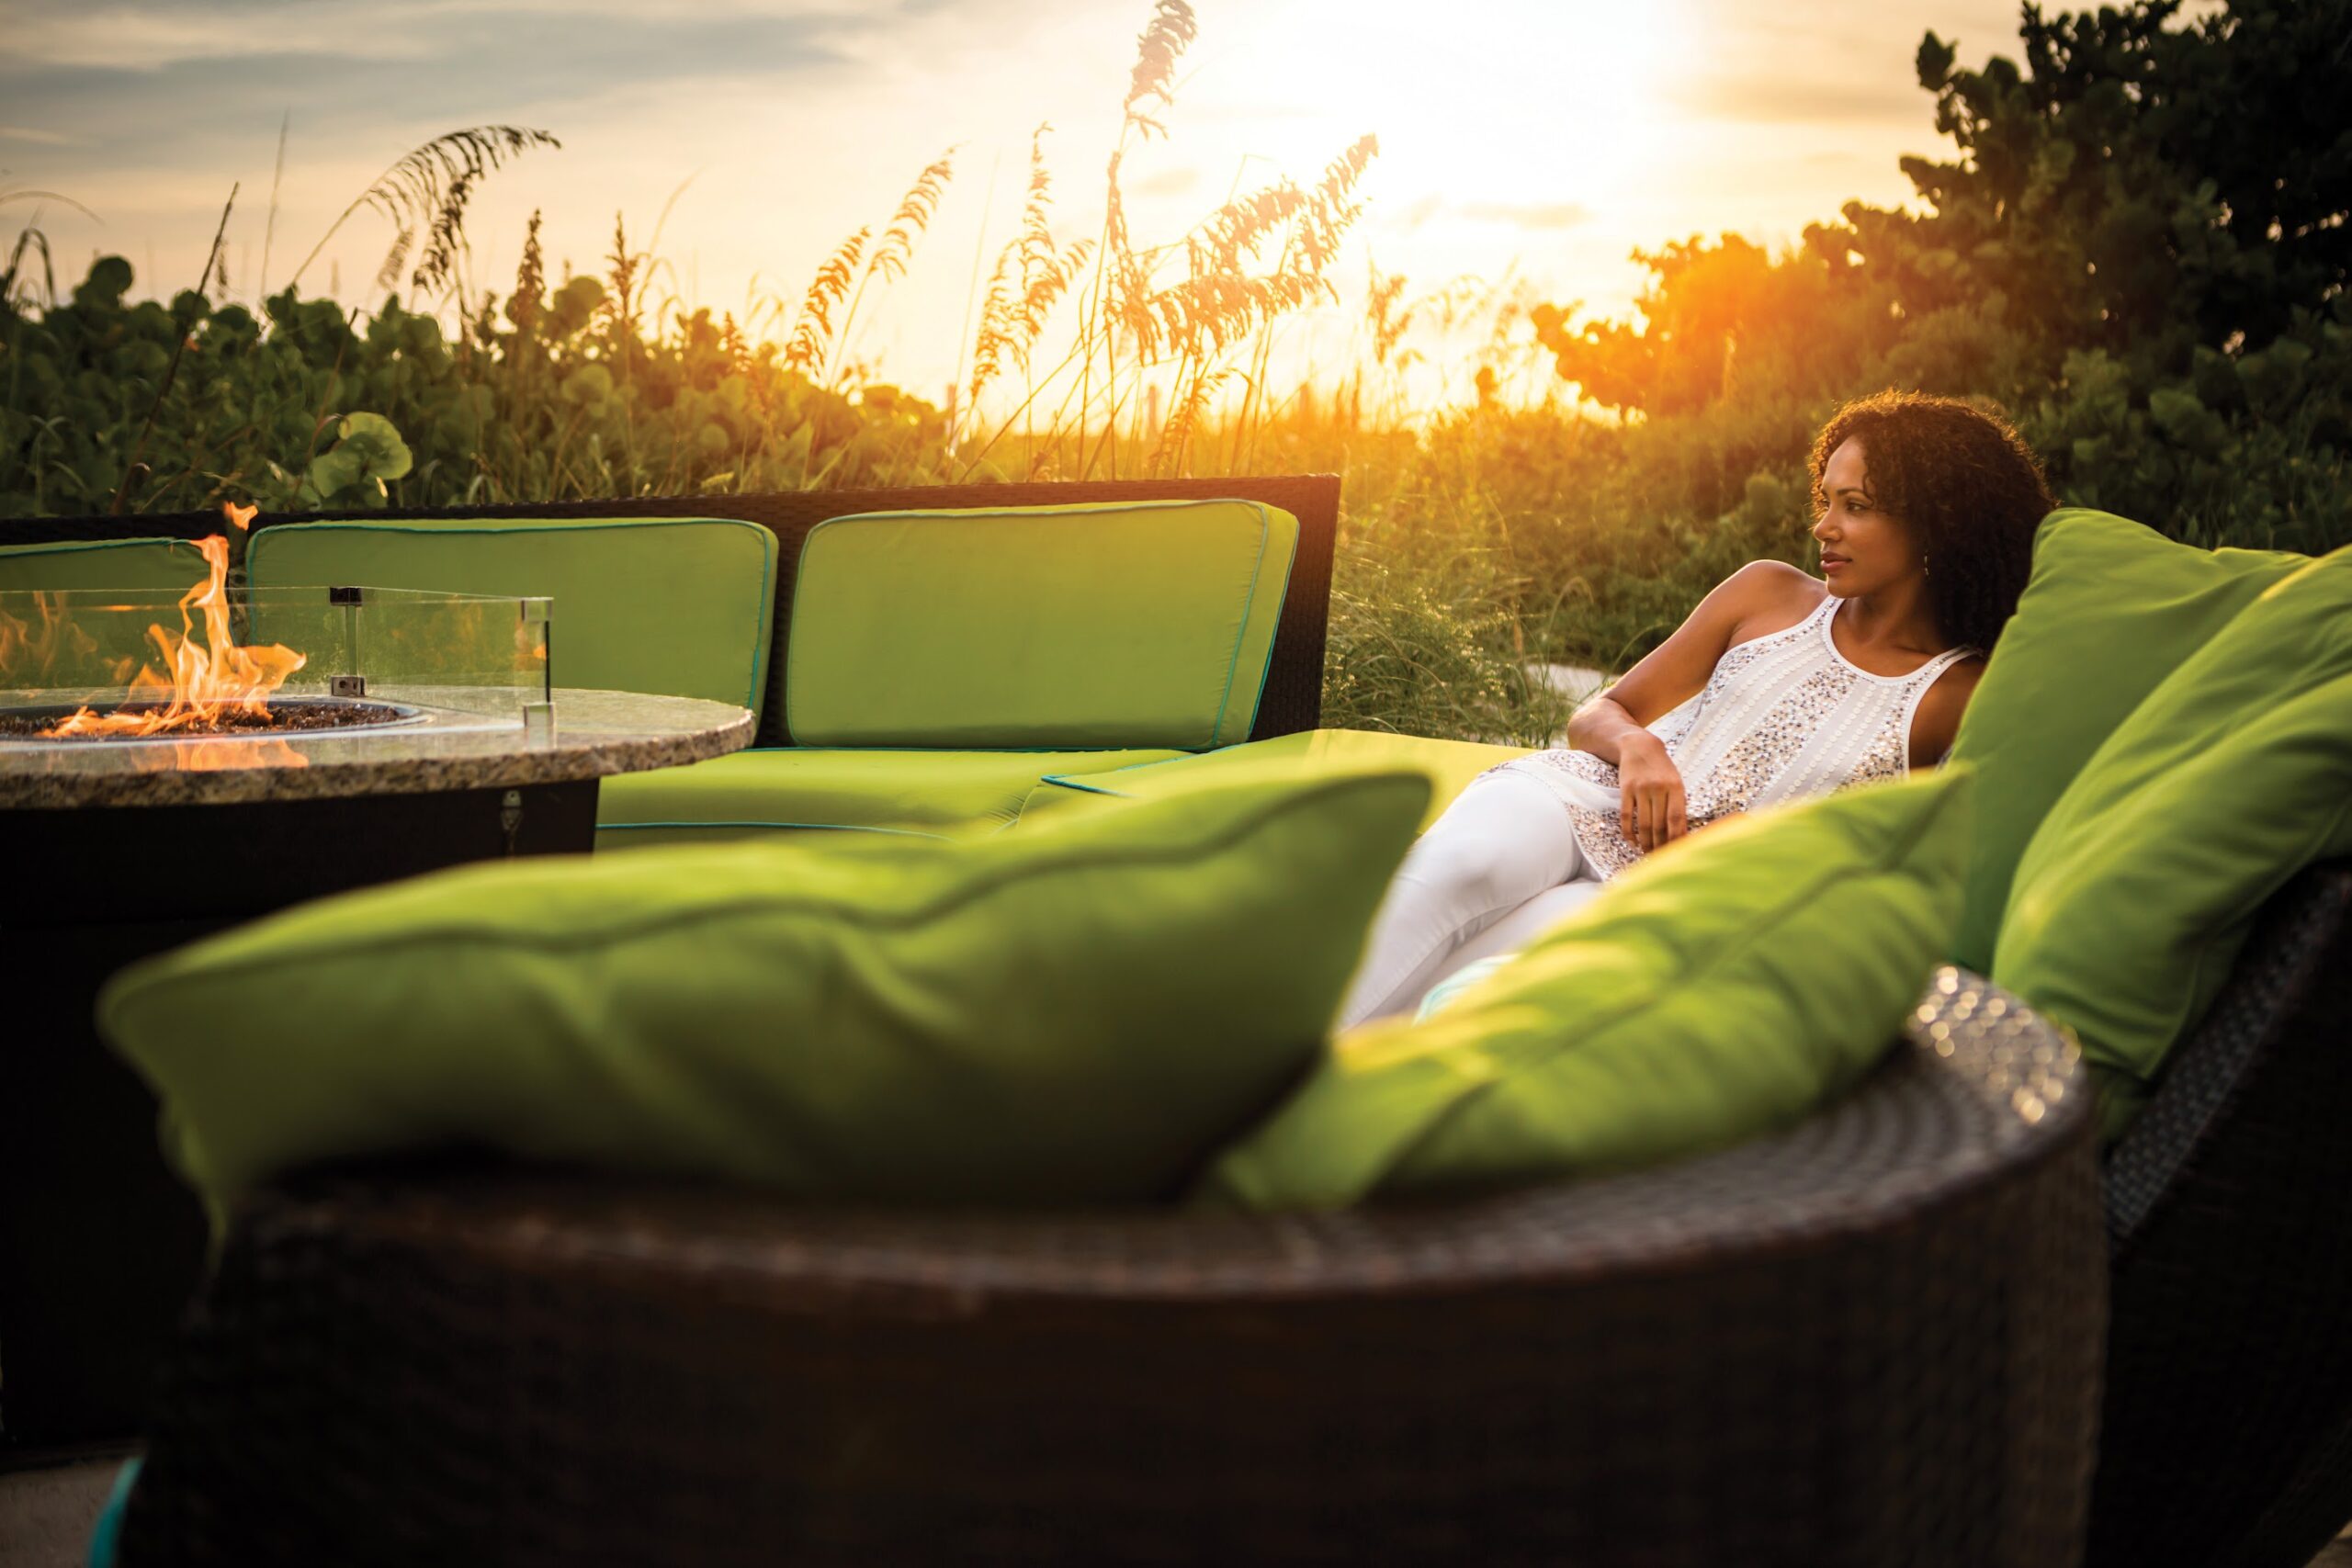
x: 156, y: 786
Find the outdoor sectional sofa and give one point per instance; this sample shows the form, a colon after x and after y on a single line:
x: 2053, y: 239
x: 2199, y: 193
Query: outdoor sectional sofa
x: 1875, y: 1337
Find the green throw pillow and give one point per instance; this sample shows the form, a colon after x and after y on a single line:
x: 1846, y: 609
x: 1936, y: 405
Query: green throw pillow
x: 1726, y: 986
x: 1075, y: 1017
x: 2133, y: 899
x: 2111, y: 609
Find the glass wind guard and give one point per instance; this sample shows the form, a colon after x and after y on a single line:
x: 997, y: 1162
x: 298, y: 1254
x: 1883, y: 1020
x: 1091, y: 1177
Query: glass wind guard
x: 464, y: 661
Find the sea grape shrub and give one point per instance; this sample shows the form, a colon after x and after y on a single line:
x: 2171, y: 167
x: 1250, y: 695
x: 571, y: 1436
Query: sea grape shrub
x: 559, y: 404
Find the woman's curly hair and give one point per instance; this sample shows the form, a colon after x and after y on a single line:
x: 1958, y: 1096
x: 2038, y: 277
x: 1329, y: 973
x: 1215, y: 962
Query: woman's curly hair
x: 1967, y: 487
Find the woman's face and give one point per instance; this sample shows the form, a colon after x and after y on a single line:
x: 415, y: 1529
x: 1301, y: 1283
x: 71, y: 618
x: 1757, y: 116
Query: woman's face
x: 1863, y: 549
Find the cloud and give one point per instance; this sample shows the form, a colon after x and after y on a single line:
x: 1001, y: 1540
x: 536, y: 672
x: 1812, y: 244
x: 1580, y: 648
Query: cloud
x: 1419, y: 213
x: 150, y: 35
x: 1168, y: 182
x: 39, y: 137
x: 338, y: 70
x: 1760, y: 99
x: 1527, y: 214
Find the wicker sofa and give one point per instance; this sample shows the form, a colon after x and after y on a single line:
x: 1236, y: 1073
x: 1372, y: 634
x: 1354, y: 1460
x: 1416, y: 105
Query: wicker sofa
x: 1876, y: 1337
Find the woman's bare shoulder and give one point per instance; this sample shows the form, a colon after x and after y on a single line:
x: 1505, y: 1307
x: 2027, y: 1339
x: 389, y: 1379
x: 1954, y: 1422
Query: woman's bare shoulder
x: 1778, y: 579
x: 1766, y: 596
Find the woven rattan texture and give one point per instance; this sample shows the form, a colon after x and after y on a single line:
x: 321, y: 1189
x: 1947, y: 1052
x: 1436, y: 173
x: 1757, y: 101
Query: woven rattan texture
x: 1869, y: 1340
x: 2229, y: 1405
x: 1293, y: 697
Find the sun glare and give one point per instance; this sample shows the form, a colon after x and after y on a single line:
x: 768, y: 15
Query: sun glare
x: 1507, y: 111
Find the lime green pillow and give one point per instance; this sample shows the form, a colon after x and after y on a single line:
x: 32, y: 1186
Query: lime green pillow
x: 1085, y: 627
x: 111, y: 592
x: 148, y: 566
x: 680, y: 605
x: 1728, y: 985
x: 1074, y: 1016
x: 2132, y: 901
x: 2112, y: 608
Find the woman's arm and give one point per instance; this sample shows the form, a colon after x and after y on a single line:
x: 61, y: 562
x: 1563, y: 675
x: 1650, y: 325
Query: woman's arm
x: 1610, y: 726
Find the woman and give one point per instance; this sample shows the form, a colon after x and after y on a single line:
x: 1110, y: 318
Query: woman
x: 1780, y: 685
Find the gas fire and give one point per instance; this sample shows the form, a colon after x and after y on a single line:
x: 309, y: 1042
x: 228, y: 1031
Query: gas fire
x: 196, y: 683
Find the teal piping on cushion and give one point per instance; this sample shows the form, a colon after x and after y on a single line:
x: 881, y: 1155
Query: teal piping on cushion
x: 74, y: 547
x: 954, y: 750
x: 105, y: 1542
x: 816, y: 827
x: 1067, y: 783
x: 1216, y: 725
x: 760, y: 656
x: 767, y: 596
x: 1264, y: 670
x: 564, y: 525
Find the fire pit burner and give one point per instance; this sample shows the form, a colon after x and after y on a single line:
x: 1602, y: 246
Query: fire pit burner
x: 284, y: 716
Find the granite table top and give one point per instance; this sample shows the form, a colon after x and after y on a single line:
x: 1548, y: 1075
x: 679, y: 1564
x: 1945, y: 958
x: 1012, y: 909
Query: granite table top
x: 445, y: 747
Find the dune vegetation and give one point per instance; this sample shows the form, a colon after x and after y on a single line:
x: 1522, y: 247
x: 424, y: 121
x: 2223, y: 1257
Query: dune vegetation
x: 2148, y: 278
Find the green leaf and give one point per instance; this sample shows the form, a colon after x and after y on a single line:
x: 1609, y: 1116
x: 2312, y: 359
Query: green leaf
x: 370, y: 449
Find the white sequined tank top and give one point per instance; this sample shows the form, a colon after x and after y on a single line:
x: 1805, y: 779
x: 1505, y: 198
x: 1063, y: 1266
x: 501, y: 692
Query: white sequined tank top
x: 1782, y: 717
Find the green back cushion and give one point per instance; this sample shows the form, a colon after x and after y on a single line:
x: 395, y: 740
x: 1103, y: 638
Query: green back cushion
x: 1066, y: 1017
x: 1449, y: 765
x: 2112, y: 608
x: 1148, y: 624
x: 2132, y: 901
x: 680, y: 606
x: 754, y: 794
x: 148, y: 566
x: 1730, y: 984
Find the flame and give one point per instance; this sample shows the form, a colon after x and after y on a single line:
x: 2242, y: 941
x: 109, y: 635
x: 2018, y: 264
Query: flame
x: 242, y: 516
x: 202, y: 681
x: 28, y: 655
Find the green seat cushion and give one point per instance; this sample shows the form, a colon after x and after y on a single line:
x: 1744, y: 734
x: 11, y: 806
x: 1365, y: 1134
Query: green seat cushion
x: 1449, y: 765
x: 682, y: 606
x: 1728, y: 985
x: 148, y: 566
x: 1070, y: 1017
x: 2133, y: 900
x: 755, y: 794
x: 1148, y: 624
x: 2112, y: 607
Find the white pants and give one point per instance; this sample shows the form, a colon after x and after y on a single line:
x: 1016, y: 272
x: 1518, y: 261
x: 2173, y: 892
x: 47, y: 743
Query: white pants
x: 1499, y: 866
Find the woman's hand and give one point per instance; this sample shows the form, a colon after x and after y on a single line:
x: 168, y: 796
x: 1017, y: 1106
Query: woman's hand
x: 1650, y: 805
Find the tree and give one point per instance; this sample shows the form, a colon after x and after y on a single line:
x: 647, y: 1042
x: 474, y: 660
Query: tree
x: 2139, y: 248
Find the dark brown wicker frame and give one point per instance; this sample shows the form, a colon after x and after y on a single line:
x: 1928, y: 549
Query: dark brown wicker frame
x: 1872, y: 1338
x: 2227, y: 1434
x: 1292, y: 696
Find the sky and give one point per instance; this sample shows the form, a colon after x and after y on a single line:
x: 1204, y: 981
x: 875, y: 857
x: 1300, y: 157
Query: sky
x: 1528, y: 144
